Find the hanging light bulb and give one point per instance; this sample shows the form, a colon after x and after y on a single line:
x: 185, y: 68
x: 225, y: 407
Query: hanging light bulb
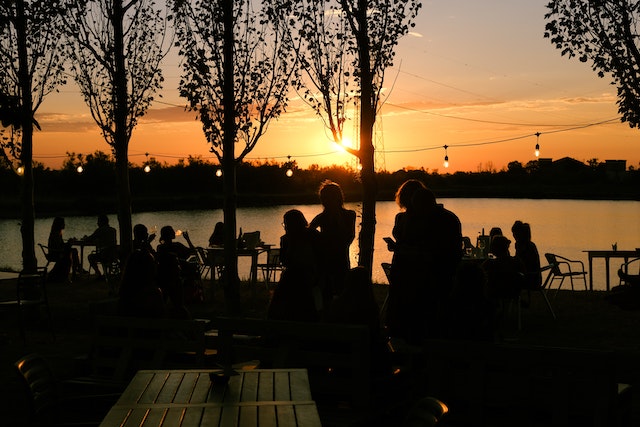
x: 219, y: 172
x: 20, y: 170
x: 147, y: 168
x: 289, y: 165
x: 537, y: 152
x: 446, y: 157
x: 79, y: 169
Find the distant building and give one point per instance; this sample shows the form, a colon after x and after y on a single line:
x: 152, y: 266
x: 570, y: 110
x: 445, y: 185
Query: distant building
x: 615, y: 169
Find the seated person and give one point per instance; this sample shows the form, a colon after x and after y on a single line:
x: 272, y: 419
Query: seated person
x: 61, y: 253
x: 142, y: 240
x: 527, y: 252
x: 104, y: 239
x: 505, y: 274
x: 217, y: 237
x: 173, y: 268
x: 139, y: 294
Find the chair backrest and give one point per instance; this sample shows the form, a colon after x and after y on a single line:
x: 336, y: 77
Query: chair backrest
x: 32, y: 286
x: 40, y: 386
x: 386, y: 267
x: 273, y: 257
x: 45, y: 252
x: 553, y: 262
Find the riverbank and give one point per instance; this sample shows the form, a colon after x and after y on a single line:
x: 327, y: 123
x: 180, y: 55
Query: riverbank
x: 585, y: 320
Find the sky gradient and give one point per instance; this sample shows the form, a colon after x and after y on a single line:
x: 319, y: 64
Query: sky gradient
x: 476, y: 76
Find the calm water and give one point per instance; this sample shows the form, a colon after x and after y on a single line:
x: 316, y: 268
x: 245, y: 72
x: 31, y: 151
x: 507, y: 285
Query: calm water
x: 565, y: 227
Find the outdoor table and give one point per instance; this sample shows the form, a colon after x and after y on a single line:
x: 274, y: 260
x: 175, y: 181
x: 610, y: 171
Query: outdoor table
x: 259, y: 397
x: 81, y: 244
x: 253, y: 253
x: 607, y: 255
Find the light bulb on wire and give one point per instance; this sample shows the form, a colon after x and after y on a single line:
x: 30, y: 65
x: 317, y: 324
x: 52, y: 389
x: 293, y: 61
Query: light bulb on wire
x: 537, y: 152
x: 147, y: 168
x: 446, y: 157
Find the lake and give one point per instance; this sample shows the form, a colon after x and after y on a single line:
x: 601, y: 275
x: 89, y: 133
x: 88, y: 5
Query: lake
x: 564, y: 227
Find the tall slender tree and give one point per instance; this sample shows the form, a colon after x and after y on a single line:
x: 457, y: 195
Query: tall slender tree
x: 116, y: 47
x: 346, y: 47
x: 32, y: 67
x: 236, y: 76
x: 605, y: 33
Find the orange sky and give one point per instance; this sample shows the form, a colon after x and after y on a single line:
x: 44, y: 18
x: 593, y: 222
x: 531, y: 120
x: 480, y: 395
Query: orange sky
x: 476, y: 76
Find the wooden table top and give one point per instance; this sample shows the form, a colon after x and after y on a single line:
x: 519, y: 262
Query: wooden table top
x: 260, y: 397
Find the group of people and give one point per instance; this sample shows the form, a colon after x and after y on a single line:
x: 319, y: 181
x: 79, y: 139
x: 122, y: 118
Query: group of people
x: 65, y: 257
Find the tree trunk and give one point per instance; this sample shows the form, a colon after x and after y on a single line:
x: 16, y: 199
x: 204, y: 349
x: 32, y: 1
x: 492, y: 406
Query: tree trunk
x: 367, y: 150
x: 121, y: 138
x: 29, y: 261
x: 231, y: 281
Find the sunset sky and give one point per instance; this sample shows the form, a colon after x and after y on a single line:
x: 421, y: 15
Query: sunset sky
x: 477, y: 76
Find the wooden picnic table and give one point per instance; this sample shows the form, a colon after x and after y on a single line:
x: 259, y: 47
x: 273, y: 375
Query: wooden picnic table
x: 606, y: 254
x: 188, y: 398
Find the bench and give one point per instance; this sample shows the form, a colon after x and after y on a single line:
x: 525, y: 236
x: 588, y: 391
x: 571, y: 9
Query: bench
x: 337, y: 357
x: 122, y: 345
x: 484, y: 383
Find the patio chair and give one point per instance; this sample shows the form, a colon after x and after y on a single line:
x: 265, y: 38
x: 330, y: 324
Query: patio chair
x: 386, y: 267
x: 31, y: 295
x: 45, y: 252
x: 271, y: 268
x: 627, y: 277
x: 48, y: 405
x: 562, y: 267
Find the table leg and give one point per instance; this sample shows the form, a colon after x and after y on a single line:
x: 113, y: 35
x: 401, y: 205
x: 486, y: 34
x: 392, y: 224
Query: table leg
x: 606, y: 267
x: 254, y: 274
x: 590, y: 272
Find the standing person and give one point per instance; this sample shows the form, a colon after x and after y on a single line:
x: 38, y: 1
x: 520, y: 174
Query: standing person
x: 337, y: 230
x: 406, y: 267
x: 65, y: 257
x: 105, y: 241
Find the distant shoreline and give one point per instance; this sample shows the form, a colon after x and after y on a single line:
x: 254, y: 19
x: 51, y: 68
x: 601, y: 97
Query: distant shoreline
x: 74, y: 206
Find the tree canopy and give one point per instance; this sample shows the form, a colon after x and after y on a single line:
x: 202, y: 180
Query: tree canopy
x: 606, y: 34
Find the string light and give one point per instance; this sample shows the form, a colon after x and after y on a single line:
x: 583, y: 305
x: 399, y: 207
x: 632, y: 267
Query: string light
x: 289, y: 166
x: 446, y: 157
x: 537, y: 152
x: 79, y: 169
x: 20, y: 170
x: 147, y: 168
x: 218, y: 172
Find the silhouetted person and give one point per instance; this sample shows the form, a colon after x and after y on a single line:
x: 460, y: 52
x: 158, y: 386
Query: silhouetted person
x: 217, y: 236
x: 104, y: 238
x: 297, y: 296
x: 470, y: 314
x: 403, y: 319
x: 527, y: 252
x: 64, y: 256
x: 337, y: 227
x: 142, y: 240
x: 171, y: 257
x: 505, y: 273
x: 139, y: 294
x: 495, y: 231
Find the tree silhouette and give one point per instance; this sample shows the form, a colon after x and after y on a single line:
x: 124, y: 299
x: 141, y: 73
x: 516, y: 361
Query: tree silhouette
x: 605, y: 33
x: 116, y: 49
x: 32, y: 67
x: 346, y: 47
x: 237, y: 74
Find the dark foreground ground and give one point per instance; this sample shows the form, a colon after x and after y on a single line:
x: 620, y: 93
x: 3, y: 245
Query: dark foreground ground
x: 585, y: 320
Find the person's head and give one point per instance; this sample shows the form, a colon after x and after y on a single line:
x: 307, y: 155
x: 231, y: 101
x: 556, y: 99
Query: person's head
x: 57, y: 225
x: 218, y: 229
x: 423, y: 200
x: 499, y: 246
x: 331, y: 195
x: 521, y: 231
x: 103, y: 220
x: 167, y: 234
x: 294, y: 221
x: 404, y: 194
x: 140, y: 233
x: 495, y: 231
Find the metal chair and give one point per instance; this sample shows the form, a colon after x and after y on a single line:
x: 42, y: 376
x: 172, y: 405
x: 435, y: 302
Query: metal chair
x: 45, y: 252
x: 562, y: 267
x: 627, y: 278
x: 271, y: 267
x: 386, y: 267
x: 31, y: 293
